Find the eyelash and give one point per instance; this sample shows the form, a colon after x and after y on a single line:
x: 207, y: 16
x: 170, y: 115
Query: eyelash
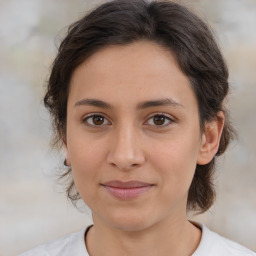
x: 166, y: 118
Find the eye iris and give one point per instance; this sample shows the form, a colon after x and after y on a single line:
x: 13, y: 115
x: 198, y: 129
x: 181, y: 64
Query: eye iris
x: 98, y: 120
x: 159, y: 120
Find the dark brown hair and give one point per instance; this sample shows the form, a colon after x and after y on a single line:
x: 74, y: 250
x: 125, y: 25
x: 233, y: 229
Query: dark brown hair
x: 170, y: 25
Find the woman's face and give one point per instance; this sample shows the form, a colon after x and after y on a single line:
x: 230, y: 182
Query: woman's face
x: 133, y: 136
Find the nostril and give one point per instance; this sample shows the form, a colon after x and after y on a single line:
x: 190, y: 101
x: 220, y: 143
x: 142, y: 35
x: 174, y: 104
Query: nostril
x: 125, y: 151
x: 125, y: 163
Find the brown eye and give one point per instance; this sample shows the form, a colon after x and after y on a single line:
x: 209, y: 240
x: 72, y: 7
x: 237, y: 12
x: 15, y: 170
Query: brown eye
x: 160, y: 120
x: 95, y: 120
x: 98, y: 120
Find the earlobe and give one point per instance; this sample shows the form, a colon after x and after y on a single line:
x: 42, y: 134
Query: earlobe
x: 211, y: 139
x: 65, y: 148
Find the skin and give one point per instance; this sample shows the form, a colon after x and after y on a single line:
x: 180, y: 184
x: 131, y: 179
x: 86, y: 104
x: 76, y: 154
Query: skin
x: 127, y: 143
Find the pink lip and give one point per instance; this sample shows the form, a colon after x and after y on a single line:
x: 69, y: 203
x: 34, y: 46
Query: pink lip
x: 126, y: 190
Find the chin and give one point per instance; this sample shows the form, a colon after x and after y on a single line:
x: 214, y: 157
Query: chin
x: 130, y: 221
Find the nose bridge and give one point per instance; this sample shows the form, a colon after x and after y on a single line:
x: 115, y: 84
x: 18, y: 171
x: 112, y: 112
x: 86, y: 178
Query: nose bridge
x: 125, y: 151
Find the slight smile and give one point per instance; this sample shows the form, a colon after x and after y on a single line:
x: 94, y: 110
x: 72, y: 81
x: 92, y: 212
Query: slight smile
x: 127, y: 190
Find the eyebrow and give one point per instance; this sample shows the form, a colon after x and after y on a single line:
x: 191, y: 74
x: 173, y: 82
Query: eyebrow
x: 142, y: 105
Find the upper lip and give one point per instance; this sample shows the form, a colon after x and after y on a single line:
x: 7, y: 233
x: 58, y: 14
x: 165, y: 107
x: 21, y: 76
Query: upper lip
x: 126, y: 184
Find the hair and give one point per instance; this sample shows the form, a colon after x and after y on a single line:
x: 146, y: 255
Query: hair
x: 174, y: 27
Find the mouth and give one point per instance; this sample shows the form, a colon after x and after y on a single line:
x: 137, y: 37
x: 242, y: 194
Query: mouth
x: 127, y: 190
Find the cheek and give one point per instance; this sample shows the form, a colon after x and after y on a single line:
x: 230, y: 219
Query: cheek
x: 85, y: 149
x: 86, y: 157
x: 175, y: 160
x: 175, y: 166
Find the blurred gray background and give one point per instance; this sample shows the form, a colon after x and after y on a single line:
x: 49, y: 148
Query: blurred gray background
x: 33, y: 209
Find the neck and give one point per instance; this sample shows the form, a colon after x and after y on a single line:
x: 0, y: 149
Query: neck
x: 176, y: 237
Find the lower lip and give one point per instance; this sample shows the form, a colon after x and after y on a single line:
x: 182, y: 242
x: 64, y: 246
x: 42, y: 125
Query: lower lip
x: 127, y: 193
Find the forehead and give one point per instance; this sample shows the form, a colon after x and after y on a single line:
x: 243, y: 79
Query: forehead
x: 141, y: 57
x: 139, y: 71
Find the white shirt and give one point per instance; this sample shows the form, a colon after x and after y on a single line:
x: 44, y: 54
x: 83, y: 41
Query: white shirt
x: 211, y: 244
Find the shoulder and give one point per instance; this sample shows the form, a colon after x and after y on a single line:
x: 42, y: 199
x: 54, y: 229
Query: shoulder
x: 231, y: 247
x: 72, y: 244
x: 212, y: 244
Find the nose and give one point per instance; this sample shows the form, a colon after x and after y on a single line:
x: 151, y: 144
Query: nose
x: 125, y: 151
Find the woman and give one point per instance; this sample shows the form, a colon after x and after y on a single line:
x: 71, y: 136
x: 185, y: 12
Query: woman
x: 136, y: 94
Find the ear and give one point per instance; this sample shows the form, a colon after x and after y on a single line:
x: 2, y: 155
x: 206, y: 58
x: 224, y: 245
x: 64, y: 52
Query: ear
x: 211, y: 139
x: 65, y: 148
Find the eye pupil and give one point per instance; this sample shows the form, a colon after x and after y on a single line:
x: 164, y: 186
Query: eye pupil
x: 159, y: 120
x: 98, y: 120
